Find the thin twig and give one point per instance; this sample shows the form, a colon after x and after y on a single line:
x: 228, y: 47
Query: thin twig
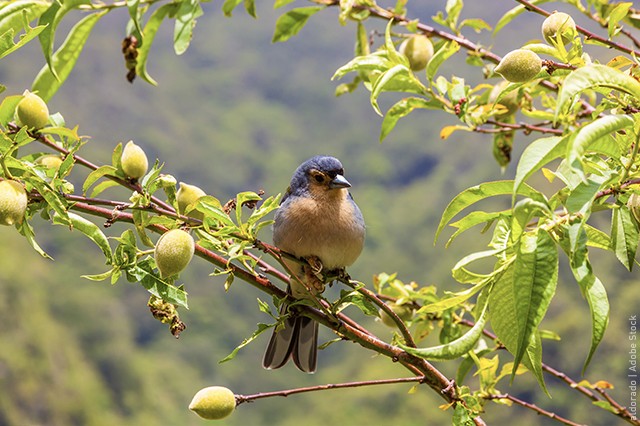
x: 535, y: 408
x: 284, y: 393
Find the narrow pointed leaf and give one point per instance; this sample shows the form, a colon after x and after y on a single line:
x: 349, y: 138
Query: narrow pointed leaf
x: 534, y: 284
x: 292, y: 22
x: 454, y: 349
x: 624, y: 236
x: 88, y: 228
x: 591, y: 76
x: 593, y: 291
x: 592, y: 132
x: 504, y: 317
x: 536, y: 155
x: 46, y: 82
x: 149, y: 34
x: 480, y: 192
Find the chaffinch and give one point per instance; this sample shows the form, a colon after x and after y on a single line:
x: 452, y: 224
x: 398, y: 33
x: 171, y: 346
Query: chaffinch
x: 319, y: 222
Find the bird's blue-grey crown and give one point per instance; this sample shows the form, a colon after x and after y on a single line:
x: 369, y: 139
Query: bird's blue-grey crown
x: 323, y: 163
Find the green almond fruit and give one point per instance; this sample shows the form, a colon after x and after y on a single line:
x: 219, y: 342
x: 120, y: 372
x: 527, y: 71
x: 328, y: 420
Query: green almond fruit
x: 174, y: 250
x: 134, y: 161
x: 558, y: 23
x: 32, y: 112
x: 519, y: 65
x: 13, y: 202
x: 50, y: 161
x: 419, y: 50
x: 213, y: 403
x: 186, y: 196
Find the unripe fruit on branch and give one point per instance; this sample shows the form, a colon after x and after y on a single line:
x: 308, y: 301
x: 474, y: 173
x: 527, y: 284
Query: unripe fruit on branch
x: 50, y: 161
x: 419, y: 50
x: 134, y: 161
x: 558, y: 22
x: 13, y: 202
x: 519, y: 65
x: 187, y: 195
x: 213, y: 403
x: 634, y: 206
x: 32, y: 112
x: 174, y: 250
x: 404, y: 312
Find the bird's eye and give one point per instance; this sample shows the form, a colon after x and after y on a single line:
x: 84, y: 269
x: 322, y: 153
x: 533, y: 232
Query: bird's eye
x: 319, y: 178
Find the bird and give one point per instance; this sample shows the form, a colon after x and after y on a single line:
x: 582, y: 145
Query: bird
x: 318, y: 222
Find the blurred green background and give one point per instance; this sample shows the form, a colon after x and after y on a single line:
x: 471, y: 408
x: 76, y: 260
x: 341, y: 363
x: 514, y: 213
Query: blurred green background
x: 236, y: 113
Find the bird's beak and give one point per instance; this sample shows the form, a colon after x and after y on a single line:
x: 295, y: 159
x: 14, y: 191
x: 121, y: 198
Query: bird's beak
x: 339, y: 182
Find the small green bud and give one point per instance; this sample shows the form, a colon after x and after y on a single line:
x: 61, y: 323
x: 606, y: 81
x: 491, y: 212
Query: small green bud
x: 13, y: 202
x: 558, y: 23
x: 32, y: 111
x: 519, y: 65
x: 187, y: 195
x: 167, y: 181
x: 634, y: 206
x: 134, y: 161
x: 213, y: 403
x: 404, y: 311
x: 174, y: 250
x: 419, y: 50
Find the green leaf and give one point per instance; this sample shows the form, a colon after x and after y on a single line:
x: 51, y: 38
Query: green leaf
x: 228, y: 6
x: 382, y: 81
x: 143, y: 273
x: 292, y: 22
x: 97, y: 174
x: 188, y: 12
x: 471, y: 220
x: 54, y: 200
x: 592, y: 132
x: 616, y: 15
x: 8, y: 108
x: 511, y: 14
x: 454, y: 349
x: 624, y: 236
x: 534, y: 284
x: 591, y: 76
x: 50, y: 19
x: 523, y: 212
x: 132, y: 6
x: 376, y: 61
x: 14, y: 14
x: 261, y: 328
x: 595, y: 293
x: 504, y: 318
x: 440, y: 56
x: 62, y: 62
x: 281, y: 3
x: 536, y: 155
x: 26, y: 230
x: 88, y: 228
x: 480, y: 192
x: 598, y: 239
x: 149, y: 34
x: 403, y: 108
x: 7, y: 45
x: 581, y: 198
x: 358, y: 300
